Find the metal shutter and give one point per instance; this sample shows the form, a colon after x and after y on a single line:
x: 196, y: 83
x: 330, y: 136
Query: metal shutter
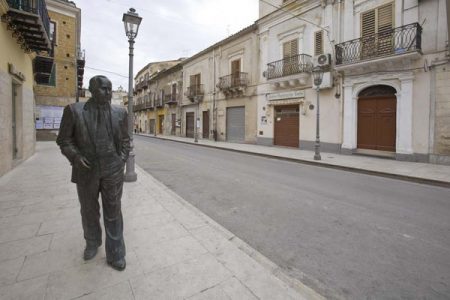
x: 236, y: 124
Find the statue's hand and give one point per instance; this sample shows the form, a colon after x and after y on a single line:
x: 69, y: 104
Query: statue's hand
x: 82, y: 161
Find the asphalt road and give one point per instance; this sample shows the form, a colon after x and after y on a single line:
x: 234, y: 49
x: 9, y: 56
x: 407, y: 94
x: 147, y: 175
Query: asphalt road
x: 346, y: 235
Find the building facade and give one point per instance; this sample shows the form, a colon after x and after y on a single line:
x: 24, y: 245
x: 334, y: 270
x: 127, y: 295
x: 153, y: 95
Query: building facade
x: 149, y: 108
x: 220, y: 90
x: 384, y: 77
x: 19, y: 48
x: 60, y: 72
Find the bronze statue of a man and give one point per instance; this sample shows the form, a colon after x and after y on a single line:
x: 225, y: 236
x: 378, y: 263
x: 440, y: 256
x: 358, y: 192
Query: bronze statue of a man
x: 94, y: 138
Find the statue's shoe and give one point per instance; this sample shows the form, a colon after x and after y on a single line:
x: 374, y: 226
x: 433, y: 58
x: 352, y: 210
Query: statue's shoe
x: 118, y: 265
x: 90, y: 252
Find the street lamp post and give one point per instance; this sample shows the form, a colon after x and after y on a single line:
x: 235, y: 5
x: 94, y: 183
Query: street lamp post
x: 317, y: 73
x: 131, y: 21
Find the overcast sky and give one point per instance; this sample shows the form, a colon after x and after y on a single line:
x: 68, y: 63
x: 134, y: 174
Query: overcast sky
x: 170, y: 29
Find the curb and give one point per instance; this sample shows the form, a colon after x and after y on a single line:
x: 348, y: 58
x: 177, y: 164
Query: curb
x: 262, y: 260
x: 419, y: 180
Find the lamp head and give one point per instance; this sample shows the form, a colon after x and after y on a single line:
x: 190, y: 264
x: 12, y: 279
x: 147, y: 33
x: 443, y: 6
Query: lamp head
x: 131, y: 21
x: 317, y: 73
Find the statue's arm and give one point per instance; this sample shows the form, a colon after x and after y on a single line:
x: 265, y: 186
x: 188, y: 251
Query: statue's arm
x: 65, y: 139
x: 125, y: 137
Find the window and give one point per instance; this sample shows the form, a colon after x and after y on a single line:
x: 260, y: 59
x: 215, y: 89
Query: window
x: 376, y: 30
x: 195, y: 84
x: 235, y: 72
x: 318, y: 42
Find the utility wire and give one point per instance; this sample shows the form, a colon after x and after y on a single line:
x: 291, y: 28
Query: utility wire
x: 106, y: 71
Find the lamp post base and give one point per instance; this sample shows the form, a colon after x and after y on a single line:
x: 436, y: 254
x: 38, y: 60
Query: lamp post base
x: 317, y: 157
x: 130, y: 177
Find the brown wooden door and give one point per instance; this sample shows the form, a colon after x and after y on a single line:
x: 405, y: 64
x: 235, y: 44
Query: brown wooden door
x: 174, y: 124
x: 286, y: 131
x: 190, y: 118
x: 161, y: 124
x: 377, y: 123
x: 206, y: 124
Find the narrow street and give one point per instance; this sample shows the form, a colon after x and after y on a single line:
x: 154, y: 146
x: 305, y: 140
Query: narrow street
x: 346, y: 235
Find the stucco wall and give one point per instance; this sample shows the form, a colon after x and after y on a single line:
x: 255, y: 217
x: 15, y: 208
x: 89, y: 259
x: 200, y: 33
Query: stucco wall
x: 22, y: 62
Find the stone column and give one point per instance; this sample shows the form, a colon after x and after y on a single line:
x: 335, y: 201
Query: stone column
x: 349, y: 134
x: 404, y: 115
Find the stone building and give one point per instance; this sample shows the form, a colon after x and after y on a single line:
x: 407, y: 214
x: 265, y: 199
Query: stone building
x: 220, y: 90
x: 60, y: 85
x: 18, y: 49
x: 149, y: 108
x: 385, y: 86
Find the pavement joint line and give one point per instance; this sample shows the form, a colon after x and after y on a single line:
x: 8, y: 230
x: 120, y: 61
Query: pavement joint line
x: 259, y: 258
x: 322, y: 164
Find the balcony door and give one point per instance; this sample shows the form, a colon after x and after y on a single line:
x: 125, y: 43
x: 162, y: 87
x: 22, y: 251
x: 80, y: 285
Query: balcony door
x: 290, y: 57
x: 235, y: 72
x: 195, y: 81
x: 376, y: 31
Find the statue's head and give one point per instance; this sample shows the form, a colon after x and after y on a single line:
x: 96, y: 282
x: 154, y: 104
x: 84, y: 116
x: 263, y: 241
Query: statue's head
x: 101, y: 89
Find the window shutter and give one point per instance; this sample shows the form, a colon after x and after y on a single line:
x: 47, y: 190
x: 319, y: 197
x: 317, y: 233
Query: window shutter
x: 385, y: 14
x: 368, y: 23
x: 290, y: 48
x: 318, y: 42
x: 235, y: 66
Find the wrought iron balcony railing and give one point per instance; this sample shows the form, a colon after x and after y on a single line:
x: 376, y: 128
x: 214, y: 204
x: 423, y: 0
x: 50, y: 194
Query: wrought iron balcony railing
x: 138, y: 107
x: 170, y: 99
x: 195, y: 91
x: 235, y: 80
x: 159, y: 102
x: 404, y: 39
x: 300, y: 63
x: 30, y: 22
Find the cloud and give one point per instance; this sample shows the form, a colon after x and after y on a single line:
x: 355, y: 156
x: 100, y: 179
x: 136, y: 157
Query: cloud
x: 169, y: 30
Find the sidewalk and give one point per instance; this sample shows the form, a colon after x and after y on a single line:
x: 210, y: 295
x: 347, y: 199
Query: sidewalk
x: 173, y: 250
x: 411, y: 171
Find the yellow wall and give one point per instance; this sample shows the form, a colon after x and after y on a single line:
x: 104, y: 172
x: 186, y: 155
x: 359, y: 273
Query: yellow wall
x: 66, y: 72
x: 12, y: 53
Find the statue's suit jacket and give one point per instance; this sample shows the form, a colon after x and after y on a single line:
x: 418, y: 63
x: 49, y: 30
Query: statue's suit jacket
x: 78, y: 131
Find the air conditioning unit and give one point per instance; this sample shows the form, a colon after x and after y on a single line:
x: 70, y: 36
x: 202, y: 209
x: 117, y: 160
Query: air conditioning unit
x: 322, y: 60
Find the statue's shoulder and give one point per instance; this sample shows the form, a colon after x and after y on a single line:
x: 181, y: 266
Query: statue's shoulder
x: 76, y: 107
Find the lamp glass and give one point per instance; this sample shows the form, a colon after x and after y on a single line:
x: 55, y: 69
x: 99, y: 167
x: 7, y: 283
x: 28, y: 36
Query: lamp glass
x: 317, y: 73
x: 131, y: 22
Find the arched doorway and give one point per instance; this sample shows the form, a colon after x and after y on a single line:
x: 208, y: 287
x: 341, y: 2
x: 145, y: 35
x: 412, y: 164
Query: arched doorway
x: 377, y: 110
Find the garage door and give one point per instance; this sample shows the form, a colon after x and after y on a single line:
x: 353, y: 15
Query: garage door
x: 286, y: 131
x: 377, y: 123
x: 236, y: 124
x: 190, y: 124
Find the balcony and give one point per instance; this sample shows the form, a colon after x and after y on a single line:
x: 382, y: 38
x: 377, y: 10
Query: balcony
x: 30, y: 24
x: 148, y: 105
x: 397, y: 44
x: 291, y: 71
x: 144, y: 84
x: 195, y: 92
x: 171, y: 99
x: 80, y: 67
x: 138, y: 107
x: 159, y: 102
x: 42, y: 69
x: 233, y: 84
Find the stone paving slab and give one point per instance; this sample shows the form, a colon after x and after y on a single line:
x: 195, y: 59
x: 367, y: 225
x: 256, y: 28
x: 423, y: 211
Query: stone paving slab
x: 174, y: 251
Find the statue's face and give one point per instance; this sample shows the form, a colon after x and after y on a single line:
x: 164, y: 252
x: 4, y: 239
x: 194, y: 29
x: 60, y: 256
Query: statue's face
x: 102, y: 94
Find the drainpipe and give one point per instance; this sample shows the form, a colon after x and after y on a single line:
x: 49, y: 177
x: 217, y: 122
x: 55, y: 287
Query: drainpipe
x: 214, y: 98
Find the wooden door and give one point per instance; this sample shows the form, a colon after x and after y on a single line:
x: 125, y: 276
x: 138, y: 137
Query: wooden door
x: 190, y: 119
x: 286, y: 130
x: 174, y: 124
x: 377, y: 123
x: 161, y: 124
x: 205, y: 124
